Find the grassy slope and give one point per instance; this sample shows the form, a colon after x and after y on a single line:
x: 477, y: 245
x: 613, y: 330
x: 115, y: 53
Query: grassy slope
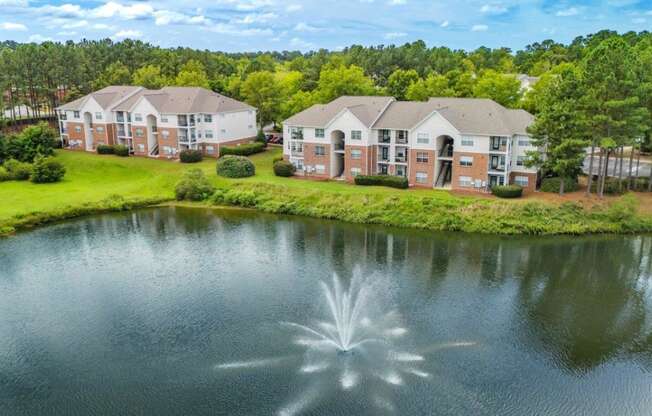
x: 97, y: 183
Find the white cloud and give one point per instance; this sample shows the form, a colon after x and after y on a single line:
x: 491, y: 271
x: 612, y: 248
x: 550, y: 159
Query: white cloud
x: 445, y: 23
x: 13, y: 3
x: 165, y: 17
x: 479, y: 28
x: 396, y: 2
x: 74, y: 24
x: 38, y: 38
x: 639, y: 20
x: 13, y: 27
x: 64, y: 10
x: 305, y: 27
x: 395, y: 35
x: 133, y: 11
x: 256, y: 18
x: 129, y: 33
x: 300, y: 43
x: 66, y: 33
x: 101, y: 26
x: 571, y: 11
x: 227, y: 29
x: 293, y: 8
x: 494, y: 8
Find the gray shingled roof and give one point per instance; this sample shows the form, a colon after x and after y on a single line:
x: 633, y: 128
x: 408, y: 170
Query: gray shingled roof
x: 106, y: 97
x: 366, y: 109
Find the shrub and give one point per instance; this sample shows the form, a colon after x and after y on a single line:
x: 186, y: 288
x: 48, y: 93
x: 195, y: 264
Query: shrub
x: 4, y: 175
x: 553, y: 184
x: 242, y: 150
x: 640, y: 184
x: 260, y: 138
x: 193, y: 186
x: 33, y: 141
x: 507, y: 191
x: 18, y: 171
x: 121, y: 150
x: 612, y: 186
x: 190, y: 156
x: 235, y: 167
x: 284, y: 168
x: 47, y: 170
x: 104, y: 149
x: 399, y: 182
x: 277, y: 159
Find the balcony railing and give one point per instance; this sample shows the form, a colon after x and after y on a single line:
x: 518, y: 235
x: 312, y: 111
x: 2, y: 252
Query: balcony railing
x: 400, y: 159
x: 499, y: 167
x: 296, y: 135
x: 120, y: 118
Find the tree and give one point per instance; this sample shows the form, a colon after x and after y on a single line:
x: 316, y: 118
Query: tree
x: 434, y: 85
x: 261, y: 90
x: 342, y: 80
x: 399, y: 81
x: 32, y: 142
x: 616, y: 115
x: 505, y: 89
x: 115, y: 74
x: 561, y: 127
x: 192, y: 74
x: 149, y: 76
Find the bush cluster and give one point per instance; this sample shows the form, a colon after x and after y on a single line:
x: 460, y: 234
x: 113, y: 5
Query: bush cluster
x: 612, y: 186
x: 507, y: 191
x: 193, y: 186
x: 260, y: 138
x: 190, y: 156
x: 399, y: 182
x: 553, y: 185
x: 235, y: 167
x: 33, y: 141
x: 243, y: 149
x: 121, y: 150
x: 284, y: 168
x: 104, y: 149
x: 47, y: 170
x: 17, y: 171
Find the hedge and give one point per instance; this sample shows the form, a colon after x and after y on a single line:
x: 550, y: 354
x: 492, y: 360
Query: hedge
x: 121, y: 150
x: 284, y: 168
x: 104, y: 149
x: 47, y: 170
x: 4, y: 175
x: 235, y: 167
x: 612, y: 186
x: 553, y: 185
x: 18, y: 171
x: 507, y: 191
x: 399, y: 182
x: 190, y: 156
x: 242, y: 150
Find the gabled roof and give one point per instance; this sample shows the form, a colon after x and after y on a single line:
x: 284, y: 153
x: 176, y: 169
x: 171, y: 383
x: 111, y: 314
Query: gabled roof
x: 106, y: 97
x: 366, y: 109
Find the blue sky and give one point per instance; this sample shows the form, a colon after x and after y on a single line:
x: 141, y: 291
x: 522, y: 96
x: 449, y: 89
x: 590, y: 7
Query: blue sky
x: 252, y: 25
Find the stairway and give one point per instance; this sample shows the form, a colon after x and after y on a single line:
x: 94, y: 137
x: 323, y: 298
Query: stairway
x: 444, y: 175
x: 154, y: 151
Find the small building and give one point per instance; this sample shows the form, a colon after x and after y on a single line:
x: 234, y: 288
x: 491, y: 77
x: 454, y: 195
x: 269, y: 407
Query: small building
x: 449, y: 143
x: 156, y: 123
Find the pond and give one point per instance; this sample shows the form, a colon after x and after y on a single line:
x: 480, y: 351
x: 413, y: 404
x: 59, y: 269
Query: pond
x: 180, y: 311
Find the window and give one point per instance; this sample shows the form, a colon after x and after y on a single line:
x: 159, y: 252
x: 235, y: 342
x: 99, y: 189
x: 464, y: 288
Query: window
x: 355, y: 171
x: 99, y: 129
x: 319, y: 133
x: 423, y: 138
x: 467, y: 141
x: 139, y: 132
x: 356, y: 135
x: 78, y: 129
x: 356, y: 154
x: 75, y: 114
x: 422, y: 157
x: 296, y: 133
x: 465, y: 181
x: 421, y: 177
x: 208, y: 134
x: 521, y: 181
x: 165, y: 134
x: 524, y: 142
x: 320, y: 169
x: 141, y: 148
x: 210, y: 150
x: 466, y: 160
x: 401, y: 170
x: 208, y: 118
x: 383, y: 136
x: 138, y: 117
x: 520, y: 160
x: 401, y: 136
x: 320, y: 151
x: 98, y: 116
x: 164, y: 118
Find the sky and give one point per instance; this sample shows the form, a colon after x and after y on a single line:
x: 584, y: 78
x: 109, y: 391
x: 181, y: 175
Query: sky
x: 253, y: 25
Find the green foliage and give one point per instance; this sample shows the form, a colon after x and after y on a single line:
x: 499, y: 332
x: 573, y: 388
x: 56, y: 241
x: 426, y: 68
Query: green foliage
x: 104, y: 149
x: 284, y: 168
x: 612, y: 186
x: 342, y: 80
x: 114, y: 74
x: 505, y: 89
x: 262, y: 90
x: 260, y: 137
x: 399, y: 82
x: 18, y: 171
x: 434, y: 85
x: 399, y: 182
x: 192, y: 74
x: 33, y: 141
x: 4, y: 175
x: 554, y: 185
x: 190, y: 156
x: 193, y: 186
x: 47, y: 170
x: 235, y: 167
x: 242, y: 150
x: 121, y: 150
x: 149, y: 76
x: 507, y: 191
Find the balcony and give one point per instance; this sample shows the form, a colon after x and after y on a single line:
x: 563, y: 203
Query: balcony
x: 296, y: 135
x: 497, y: 167
x: 182, y: 121
x: 401, y: 137
x: 498, y: 144
x: 400, y: 159
x: 120, y: 118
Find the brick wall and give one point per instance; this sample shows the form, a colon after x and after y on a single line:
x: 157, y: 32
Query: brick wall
x: 139, y: 140
x: 477, y: 171
x: 361, y: 163
x: 428, y: 167
x: 100, y: 137
x: 311, y: 159
x: 532, y: 181
x: 169, y: 141
x: 74, y: 135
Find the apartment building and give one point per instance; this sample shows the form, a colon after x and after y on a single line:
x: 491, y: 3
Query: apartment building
x: 156, y: 123
x: 451, y: 143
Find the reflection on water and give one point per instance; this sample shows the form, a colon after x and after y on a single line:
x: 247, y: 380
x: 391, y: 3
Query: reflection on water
x: 131, y: 312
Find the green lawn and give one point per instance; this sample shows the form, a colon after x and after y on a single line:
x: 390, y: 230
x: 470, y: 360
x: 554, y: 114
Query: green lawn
x: 96, y: 183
